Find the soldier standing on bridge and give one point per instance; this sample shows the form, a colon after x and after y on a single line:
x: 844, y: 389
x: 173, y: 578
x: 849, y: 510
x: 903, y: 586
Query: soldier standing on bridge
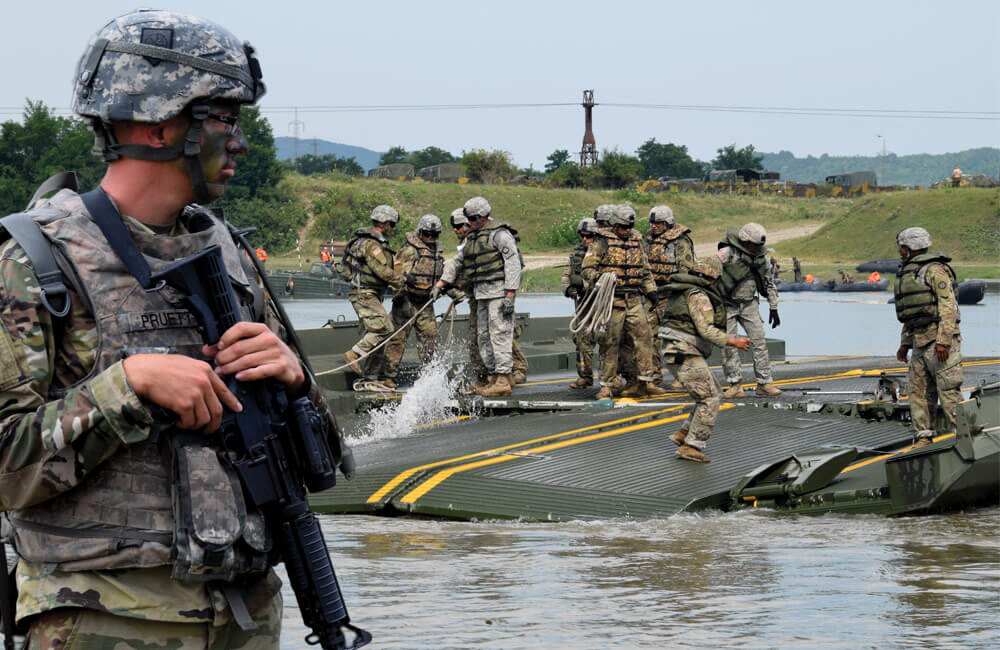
x: 694, y: 319
x: 927, y: 308
x: 796, y: 269
x: 744, y: 276
x: 573, y: 287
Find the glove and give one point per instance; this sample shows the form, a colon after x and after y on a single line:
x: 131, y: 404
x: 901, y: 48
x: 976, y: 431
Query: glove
x: 773, y: 318
x: 902, y: 352
x: 456, y: 295
x: 653, y: 298
x: 435, y: 292
x: 507, y: 306
x: 572, y: 292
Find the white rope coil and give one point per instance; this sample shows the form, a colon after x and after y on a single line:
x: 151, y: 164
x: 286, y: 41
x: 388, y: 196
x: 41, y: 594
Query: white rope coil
x: 594, y: 313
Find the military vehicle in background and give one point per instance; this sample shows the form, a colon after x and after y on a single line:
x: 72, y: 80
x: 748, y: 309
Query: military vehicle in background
x: 443, y: 172
x: 852, y: 179
x: 395, y: 171
x: 320, y: 281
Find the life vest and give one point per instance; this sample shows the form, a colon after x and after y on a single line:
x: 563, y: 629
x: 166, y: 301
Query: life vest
x: 676, y: 314
x: 356, y: 267
x: 810, y: 277
x: 427, y: 268
x: 624, y: 259
x: 743, y: 266
x: 916, y: 304
x: 874, y: 277
x: 481, y: 260
x: 662, y: 251
x: 261, y: 254
x: 122, y: 514
x: 325, y: 257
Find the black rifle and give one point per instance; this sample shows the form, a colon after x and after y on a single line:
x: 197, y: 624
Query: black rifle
x: 281, y: 450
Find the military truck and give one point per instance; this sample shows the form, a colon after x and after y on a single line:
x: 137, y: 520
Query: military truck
x: 320, y: 281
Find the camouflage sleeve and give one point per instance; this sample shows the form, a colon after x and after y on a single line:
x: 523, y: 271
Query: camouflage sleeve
x: 564, y: 280
x: 591, y: 259
x: 939, y: 281
x: 452, y: 267
x: 48, y: 446
x: 505, y: 243
x: 648, y: 283
x: 378, y: 261
x: 700, y: 308
x: 684, y: 252
x: 403, y: 263
x: 772, y: 290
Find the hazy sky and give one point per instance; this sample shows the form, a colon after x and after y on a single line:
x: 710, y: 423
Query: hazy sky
x: 914, y: 56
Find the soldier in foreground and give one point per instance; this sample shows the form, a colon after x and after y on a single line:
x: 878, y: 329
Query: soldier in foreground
x: 573, y: 287
x: 670, y: 251
x: 421, y: 262
x: 91, y: 395
x: 927, y: 308
x: 744, y: 277
x: 368, y: 264
x: 694, y: 319
x: 620, y: 251
x: 491, y: 262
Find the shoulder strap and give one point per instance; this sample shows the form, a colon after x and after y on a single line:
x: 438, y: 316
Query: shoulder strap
x: 39, y: 250
x: 109, y: 220
x: 54, y: 183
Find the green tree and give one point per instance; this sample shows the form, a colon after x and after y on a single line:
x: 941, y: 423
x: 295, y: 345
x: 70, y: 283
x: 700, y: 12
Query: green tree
x: 393, y: 155
x: 259, y: 172
x: 667, y: 160
x: 429, y: 156
x: 556, y: 159
x: 619, y: 169
x: 484, y: 166
x: 729, y: 157
x: 310, y: 164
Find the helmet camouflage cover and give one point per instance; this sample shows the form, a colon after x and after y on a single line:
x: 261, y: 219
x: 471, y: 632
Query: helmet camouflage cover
x: 458, y: 218
x: 915, y: 238
x: 624, y: 215
x: 602, y: 213
x: 661, y: 214
x: 753, y: 233
x: 429, y: 223
x: 385, y: 213
x: 477, y: 206
x: 588, y: 225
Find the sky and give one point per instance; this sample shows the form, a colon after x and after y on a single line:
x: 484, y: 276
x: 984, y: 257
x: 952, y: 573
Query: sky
x: 877, y: 56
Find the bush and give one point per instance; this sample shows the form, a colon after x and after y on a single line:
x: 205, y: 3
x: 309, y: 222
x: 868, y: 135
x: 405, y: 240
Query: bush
x: 488, y: 166
x: 562, y: 233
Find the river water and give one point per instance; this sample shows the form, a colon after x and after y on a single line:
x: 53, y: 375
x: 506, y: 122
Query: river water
x: 750, y: 579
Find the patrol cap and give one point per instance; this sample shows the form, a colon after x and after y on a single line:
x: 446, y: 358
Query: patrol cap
x: 915, y: 238
x: 587, y: 225
x: 753, y: 233
x: 624, y: 215
x: 429, y: 223
x: 602, y: 213
x: 458, y: 218
x: 476, y: 207
x: 385, y: 213
x: 661, y: 214
x: 709, y: 267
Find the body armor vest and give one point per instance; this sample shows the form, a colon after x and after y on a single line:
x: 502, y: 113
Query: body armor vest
x: 134, y: 509
x: 736, y: 271
x: 663, y: 253
x: 361, y: 275
x: 481, y: 259
x: 676, y: 314
x: 428, y: 267
x: 916, y: 304
x: 624, y: 259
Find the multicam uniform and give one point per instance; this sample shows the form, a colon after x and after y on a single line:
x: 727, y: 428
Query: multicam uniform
x: 744, y: 276
x: 421, y: 264
x: 627, y: 260
x: 86, y: 490
x: 669, y: 252
x: 369, y: 261
x: 572, y: 284
x: 693, y: 320
x: 928, y: 309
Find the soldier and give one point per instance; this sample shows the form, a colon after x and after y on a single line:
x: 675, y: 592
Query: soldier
x: 421, y: 262
x: 670, y: 250
x: 927, y: 308
x: 602, y: 215
x: 461, y: 227
x: 620, y: 251
x: 492, y: 263
x: 744, y: 276
x: 845, y: 277
x: 97, y: 378
x: 573, y: 287
x: 956, y: 177
x: 796, y: 269
x: 694, y: 319
x: 368, y: 265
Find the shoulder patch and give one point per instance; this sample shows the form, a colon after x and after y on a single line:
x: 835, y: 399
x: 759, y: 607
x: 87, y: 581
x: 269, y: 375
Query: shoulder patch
x: 377, y: 251
x: 707, y: 308
x: 942, y: 285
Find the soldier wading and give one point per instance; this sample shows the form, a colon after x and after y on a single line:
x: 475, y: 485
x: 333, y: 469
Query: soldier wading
x: 106, y: 414
x: 927, y: 308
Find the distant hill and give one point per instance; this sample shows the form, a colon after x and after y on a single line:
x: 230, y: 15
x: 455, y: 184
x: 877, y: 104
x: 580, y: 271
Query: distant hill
x: 365, y: 157
x: 918, y: 169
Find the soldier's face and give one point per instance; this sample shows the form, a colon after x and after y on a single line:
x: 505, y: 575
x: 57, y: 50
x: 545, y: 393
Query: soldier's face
x: 657, y: 227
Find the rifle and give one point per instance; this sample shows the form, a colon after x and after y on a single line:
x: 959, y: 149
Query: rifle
x: 8, y: 600
x: 281, y: 451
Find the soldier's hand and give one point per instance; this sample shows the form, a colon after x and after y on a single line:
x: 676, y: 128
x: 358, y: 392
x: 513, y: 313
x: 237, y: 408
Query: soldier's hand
x: 456, y: 295
x: 942, y: 352
x: 507, y: 306
x: 188, y: 387
x: 572, y: 292
x: 740, y: 342
x: 653, y: 298
x: 773, y: 318
x: 435, y: 293
x: 902, y: 352
x: 251, y: 351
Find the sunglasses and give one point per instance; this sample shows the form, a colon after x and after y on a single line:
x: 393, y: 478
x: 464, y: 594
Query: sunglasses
x: 232, y: 122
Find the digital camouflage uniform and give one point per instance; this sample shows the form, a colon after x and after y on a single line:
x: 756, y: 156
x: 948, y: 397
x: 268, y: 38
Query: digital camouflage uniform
x: 692, y: 324
x: 71, y: 423
x: 368, y: 252
x: 928, y: 309
x: 572, y: 284
x: 744, y: 277
x: 627, y: 260
x: 669, y: 252
x: 421, y: 264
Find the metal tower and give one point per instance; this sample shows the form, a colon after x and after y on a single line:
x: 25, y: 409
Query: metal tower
x: 588, y: 154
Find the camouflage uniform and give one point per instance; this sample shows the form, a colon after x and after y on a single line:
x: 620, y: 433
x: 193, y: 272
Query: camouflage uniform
x: 669, y: 252
x: 573, y: 287
x: 743, y: 307
x: 926, y: 304
x: 421, y: 264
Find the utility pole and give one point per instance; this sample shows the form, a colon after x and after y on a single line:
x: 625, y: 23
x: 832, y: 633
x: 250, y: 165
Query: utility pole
x: 314, y: 148
x: 588, y: 154
x: 294, y: 125
x: 881, y: 162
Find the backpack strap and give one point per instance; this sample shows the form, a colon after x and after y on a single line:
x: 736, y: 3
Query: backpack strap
x: 54, y: 183
x: 37, y: 247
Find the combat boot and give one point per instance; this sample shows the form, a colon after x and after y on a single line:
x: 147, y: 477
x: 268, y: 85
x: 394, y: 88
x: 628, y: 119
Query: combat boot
x: 388, y: 383
x: 499, y: 388
x: 687, y: 452
x: 582, y: 382
x: 653, y: 389
x: 735, y: 391
x: 618, y: 386
x: 518, y: 377
x: 481, y: 386
x: 351, y: 358
x: 675, y: 386
x: 922, y: 442
x: 767, y: 390
x: 678, y: 437
x: 604, y: 393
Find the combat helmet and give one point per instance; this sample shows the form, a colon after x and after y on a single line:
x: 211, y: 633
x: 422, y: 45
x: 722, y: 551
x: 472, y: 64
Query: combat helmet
x: 915, y: 238
x: 752, y: 233
x: 477, y: 207
x: 623, y: 215
x: 587, y: 225
x: 429, y: 223
x: 661, y: 214
x: 149, y: 66
x: 458, y: 218
x: 603, y: 212
x: 385, y: 214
